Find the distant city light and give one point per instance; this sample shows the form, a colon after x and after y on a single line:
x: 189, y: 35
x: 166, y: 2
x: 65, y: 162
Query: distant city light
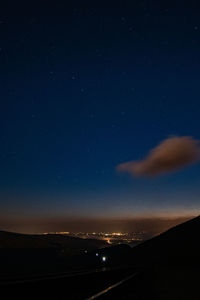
x: 108, y: 240
x: 97, y: 254
x: 112, y: 238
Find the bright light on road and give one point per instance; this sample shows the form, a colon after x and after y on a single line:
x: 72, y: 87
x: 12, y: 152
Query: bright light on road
x: 104, y: 258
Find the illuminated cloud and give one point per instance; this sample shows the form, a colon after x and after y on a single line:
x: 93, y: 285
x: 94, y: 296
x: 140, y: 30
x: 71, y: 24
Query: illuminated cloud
x: 170, y: 155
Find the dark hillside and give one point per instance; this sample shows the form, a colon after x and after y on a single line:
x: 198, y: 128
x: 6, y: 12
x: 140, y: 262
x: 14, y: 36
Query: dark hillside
x: 181, y: 242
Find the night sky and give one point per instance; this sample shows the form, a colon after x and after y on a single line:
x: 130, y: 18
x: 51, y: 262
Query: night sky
x: 86, y: 87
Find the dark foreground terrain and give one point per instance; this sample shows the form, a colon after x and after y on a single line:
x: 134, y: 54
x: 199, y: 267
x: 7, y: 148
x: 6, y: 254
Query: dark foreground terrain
x: 159, y: 283
x: 165, y: 267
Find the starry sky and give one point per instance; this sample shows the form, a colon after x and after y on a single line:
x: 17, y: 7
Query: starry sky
x: 86, y: 87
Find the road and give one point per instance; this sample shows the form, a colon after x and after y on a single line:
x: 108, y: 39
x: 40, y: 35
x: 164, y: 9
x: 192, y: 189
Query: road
x: 79, y: 285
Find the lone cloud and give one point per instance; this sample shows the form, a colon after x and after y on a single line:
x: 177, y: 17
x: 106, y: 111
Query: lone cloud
x: 170, y: 155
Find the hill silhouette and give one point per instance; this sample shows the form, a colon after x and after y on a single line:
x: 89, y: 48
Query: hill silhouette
x: 10, y: 240
x: 178, y: 243
x: 26, y: 253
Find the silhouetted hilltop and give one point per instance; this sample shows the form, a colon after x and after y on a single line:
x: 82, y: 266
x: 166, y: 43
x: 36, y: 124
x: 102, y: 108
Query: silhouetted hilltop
x: 26, y: 253
x: 179, y: 242
x: 10, y: 240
